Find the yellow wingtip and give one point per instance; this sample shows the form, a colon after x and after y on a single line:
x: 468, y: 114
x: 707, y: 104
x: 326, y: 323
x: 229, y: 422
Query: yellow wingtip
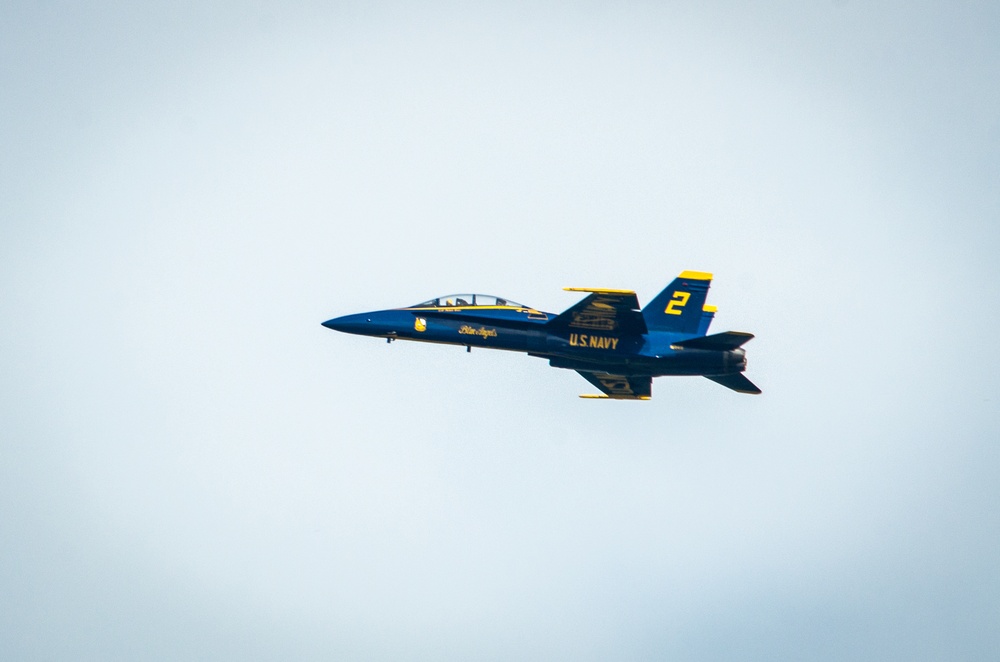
x: 696, y: 275
x: 709, y: 309
x: 594, y: 396
x: 598, y: 290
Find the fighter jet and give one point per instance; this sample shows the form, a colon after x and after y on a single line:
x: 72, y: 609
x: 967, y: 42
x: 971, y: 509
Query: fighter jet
x: 606, y: 337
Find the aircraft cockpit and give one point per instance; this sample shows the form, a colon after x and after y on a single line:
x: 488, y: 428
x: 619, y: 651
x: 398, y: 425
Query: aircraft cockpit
x: 456, y: 300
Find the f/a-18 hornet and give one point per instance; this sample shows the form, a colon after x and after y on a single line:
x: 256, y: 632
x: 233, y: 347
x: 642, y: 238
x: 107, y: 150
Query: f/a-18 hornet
x: 605, y: 337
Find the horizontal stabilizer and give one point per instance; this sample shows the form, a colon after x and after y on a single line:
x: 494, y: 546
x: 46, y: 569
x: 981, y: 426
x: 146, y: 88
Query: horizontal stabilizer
x: 735, y: 381
x: 720, y: 342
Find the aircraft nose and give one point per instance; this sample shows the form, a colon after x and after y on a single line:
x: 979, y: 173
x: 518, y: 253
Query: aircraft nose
x: 348, y: 323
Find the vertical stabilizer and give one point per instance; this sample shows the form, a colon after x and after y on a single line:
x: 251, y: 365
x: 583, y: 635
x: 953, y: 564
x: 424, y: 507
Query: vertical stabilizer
x: 707, y: 315
x: 680, y: 308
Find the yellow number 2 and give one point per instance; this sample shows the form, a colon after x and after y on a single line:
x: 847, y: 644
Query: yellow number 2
x: 678, y: 301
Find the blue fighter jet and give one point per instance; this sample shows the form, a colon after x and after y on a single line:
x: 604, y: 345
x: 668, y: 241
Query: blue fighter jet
x: 605, y: 337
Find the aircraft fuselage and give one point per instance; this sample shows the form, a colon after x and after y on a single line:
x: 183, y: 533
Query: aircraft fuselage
x: 605, y: 337
x: 523, y: 331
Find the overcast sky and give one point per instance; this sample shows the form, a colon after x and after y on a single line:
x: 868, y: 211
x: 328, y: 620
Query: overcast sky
x: 191, y: 467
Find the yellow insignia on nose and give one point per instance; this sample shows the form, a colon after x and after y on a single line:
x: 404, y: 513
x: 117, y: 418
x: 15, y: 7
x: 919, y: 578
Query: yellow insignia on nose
x: 420, y: 324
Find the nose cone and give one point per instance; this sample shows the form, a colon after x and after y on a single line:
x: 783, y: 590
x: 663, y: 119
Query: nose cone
x: 350, y: 324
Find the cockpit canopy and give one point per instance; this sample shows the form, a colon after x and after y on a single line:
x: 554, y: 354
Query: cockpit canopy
x: 455, y: 300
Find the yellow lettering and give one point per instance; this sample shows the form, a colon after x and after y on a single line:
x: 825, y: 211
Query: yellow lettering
x: 594, y: 342
x: 678, y: 301
x: 482, y: 331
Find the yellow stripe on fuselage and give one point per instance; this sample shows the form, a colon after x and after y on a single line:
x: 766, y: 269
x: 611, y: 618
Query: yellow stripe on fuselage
x: 517, y: 308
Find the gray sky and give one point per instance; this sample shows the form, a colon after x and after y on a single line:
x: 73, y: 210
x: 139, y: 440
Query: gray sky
x: 193, y: 468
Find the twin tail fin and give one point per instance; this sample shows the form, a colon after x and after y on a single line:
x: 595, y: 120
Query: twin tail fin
x: 680, y: 308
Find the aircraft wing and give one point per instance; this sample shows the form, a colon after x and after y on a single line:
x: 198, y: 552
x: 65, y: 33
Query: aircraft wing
x: 619, y: 387
x: 603, y: 310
